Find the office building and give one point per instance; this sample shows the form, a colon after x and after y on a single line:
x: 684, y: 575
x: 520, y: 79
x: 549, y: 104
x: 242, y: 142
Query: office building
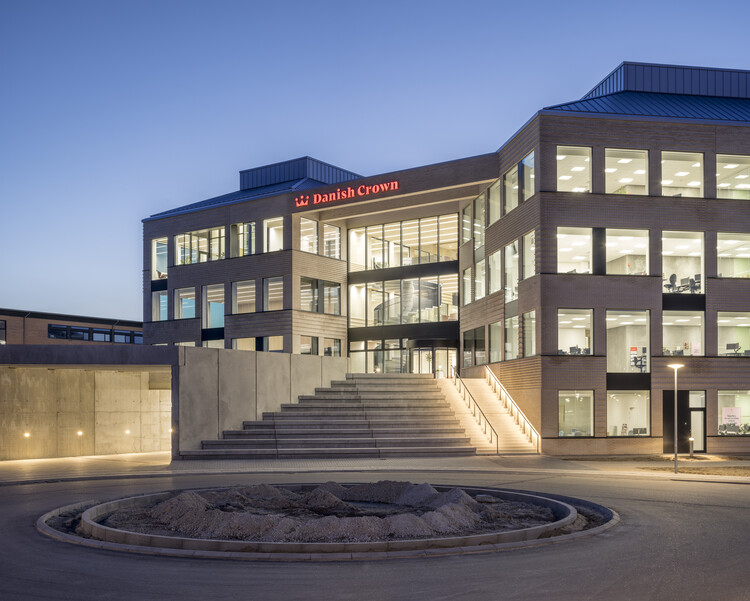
x: 606, y: 240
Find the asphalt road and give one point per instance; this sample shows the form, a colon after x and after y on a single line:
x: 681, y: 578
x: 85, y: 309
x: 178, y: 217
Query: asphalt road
x: 681, y: 540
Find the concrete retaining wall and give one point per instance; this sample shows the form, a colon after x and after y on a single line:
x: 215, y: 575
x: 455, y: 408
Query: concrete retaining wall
x: 52, y: 405
x: 216, y: 390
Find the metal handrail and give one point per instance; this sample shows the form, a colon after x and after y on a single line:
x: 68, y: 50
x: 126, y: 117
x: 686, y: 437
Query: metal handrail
x: 514, y: 410
x: 474, y: 407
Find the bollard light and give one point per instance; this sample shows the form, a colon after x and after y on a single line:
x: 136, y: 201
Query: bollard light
x: 692, y: 441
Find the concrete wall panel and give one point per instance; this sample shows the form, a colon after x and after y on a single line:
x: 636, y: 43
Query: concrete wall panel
x: 237, y: 395
x: 274, y: 381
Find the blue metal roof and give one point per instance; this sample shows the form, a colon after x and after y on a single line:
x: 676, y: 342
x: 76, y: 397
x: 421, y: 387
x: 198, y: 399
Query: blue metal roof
x: 241, y: 196
x: 675, y: 106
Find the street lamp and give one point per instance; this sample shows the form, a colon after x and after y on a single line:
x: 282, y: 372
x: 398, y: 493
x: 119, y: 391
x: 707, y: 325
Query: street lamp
x: 675, y: 367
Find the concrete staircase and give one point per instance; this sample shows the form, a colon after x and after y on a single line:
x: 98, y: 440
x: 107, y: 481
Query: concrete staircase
x: 512, y: 440
x: 366, y: 415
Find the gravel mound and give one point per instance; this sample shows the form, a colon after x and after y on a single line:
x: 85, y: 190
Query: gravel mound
x: 382, y: 511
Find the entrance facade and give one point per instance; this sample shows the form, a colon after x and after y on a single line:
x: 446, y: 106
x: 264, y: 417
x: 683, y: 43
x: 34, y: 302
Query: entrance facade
x: 691, y: 420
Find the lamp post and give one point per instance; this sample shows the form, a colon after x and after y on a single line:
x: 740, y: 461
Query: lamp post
x: 675, y: 367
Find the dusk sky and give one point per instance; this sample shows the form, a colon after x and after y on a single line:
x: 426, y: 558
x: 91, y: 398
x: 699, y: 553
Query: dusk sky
x: 111, y: 110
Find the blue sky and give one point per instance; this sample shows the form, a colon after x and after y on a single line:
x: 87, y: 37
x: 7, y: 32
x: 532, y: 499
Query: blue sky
x: 113, y: 110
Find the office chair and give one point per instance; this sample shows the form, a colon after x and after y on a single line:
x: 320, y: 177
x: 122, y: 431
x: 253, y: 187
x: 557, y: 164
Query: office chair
x: 672, y: 285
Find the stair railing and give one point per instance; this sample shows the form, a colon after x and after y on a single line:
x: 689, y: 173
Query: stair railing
x: 476, y: 411
x: 513, y: 409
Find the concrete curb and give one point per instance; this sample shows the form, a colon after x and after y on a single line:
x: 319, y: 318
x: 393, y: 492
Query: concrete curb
x: 131, y: 542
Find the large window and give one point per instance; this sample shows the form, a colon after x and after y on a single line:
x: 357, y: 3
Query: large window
x: 734, y: 333
x: 242, y: 240
x: 511, y: 338
x: 494, y: 203
x: 682, y: 174
x: 628, y: 413
x: 734, y: 412
x: 479, y: 221
x: 733, y: 254
x: 628, y: 342
x: 510, y: 190
x: 467, y: 286
x: 573, y: 169
x: 331, y: 347
x: 159, y: 304
x: 474, y: 347
x: 682, y: 333
x: 184, y: 303
x: 243, y: 297
x: 159, y: 258
x: 200, y: 246
x: 574, y: 332
x: 733, y: 176
x: 573, y: 250
x: 213, y: 306
x: 273, y: 234
x: 426, y: 240
x: 273, y: 294
x: 243, y: 344
x: 272, y: 344
x: 529, y: 255
x: 495, y: 271
x: 511, y: 271
x: 395, y: 302
x: 320, y: 296
x: 308, y: 235
x: 479, y: 280
x: 529, y: 334
x: 466, y: 224
x: 2, y: 332
x: 682, y: 262
x: 527, y: 167
x: 627, y: 252
x: 625, y: 171
x: 575, y: 413
x: 308, y: 345
x: 331, y: 241
x: 496, y: 341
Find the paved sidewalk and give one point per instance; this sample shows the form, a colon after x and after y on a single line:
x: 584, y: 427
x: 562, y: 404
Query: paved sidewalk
x: 159, y: 464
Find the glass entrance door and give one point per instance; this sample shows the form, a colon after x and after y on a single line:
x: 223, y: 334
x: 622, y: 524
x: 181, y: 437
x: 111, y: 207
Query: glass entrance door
x: 429, y: 360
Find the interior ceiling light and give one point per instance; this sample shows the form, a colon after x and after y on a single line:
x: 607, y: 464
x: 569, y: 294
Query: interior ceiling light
x: 731, y: 166
x: 624, y: 160
x: 682, y: 173
x: 626, y: 180
x: 740, y: 176
x: 640, y: 172
x: 560, y: 157
x: 696, y: 164
x: 565, y: 177
x: 578, y: 168
x: 610, y: 170
x: 666, y: 182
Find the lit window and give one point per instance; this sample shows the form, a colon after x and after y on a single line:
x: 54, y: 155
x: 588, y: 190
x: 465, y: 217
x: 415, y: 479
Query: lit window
x: 494, y: 203
x: 479, y: 221
x: 272, y: 344
x: 628, y: 413
x: 159, y: 305
x: 733, y: 255
x: 243, y: 344
x: 575, y: 413
x: 627, y: 252
x: 734, y: 412
x: 625, y: 171
x: 734, y: 333
x: 527, y: 167
x: 243, y: 297
x: 529, y: 255
x: 273, y: 294
x: 510, y: 190
x: 682, y: 174
x: 511, y: 271
x: 308, y: 345
x: 529, y: 334
x: 242, y: 241
x: 733, y: 176
x: 308, y: 235
x: 213, y: 306
x: 682, y: 262
x: 200, y: 246
x: 467, y: 286
x: 573, y: 250
x: 495, y: 271
x: 184, y: 303
x: 574, y: 332
x: 159, y: 258
x: 331, y: 347
x: 331, y: 241
x: 479, y: 282
x: 496, y: 341
x: 511, y: 338
x: 573, y: 169
x: 273, y: 234
x: 628, y: 342
x: 682, y: 333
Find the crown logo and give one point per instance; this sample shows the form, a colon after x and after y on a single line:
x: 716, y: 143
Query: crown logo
x: 302, y: 201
